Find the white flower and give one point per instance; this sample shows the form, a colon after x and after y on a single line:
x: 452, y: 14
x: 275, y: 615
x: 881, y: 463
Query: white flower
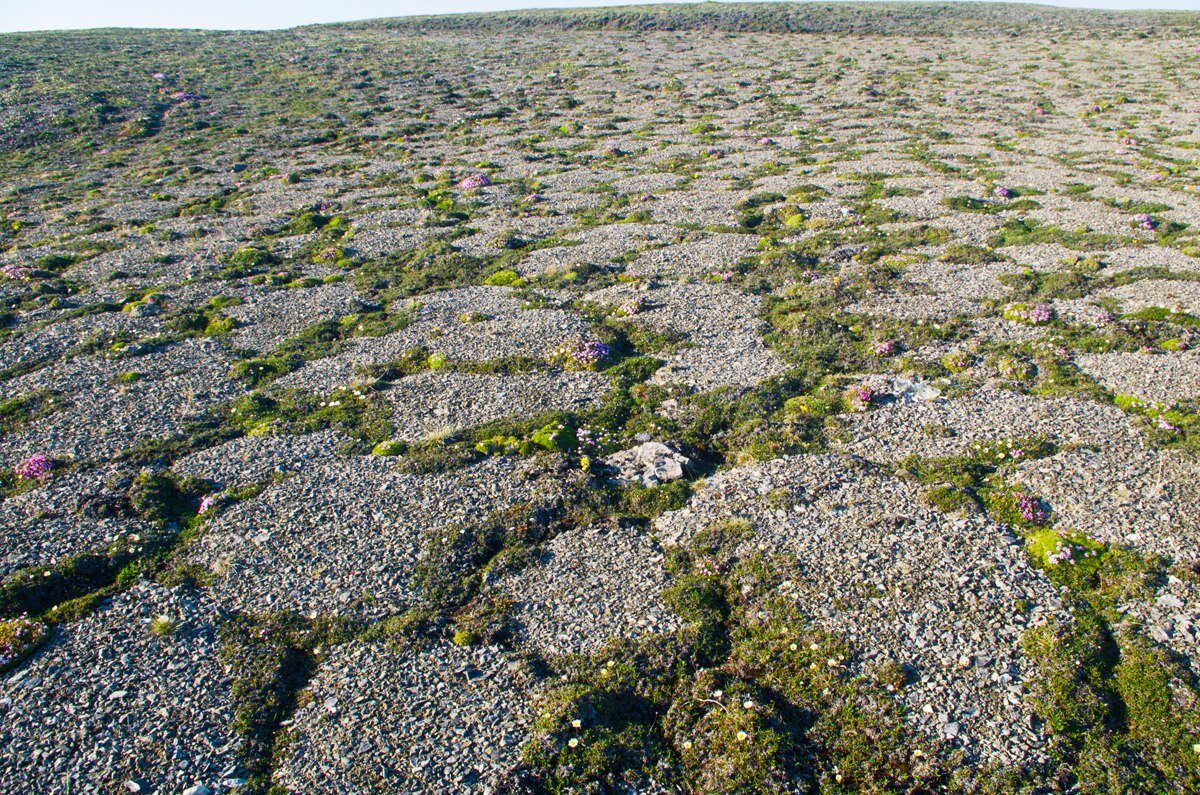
x: 573, y: 742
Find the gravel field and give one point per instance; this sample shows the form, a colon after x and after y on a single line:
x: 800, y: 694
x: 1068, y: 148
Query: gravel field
x: 705, y: 399
x: 107, y: 702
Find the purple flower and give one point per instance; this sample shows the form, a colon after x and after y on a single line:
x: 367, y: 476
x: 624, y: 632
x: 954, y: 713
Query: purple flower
x: 1002, y: 192
x: 1035, y: 315
x: 1166, y: 426
x: 475, y: 181
x: 15, y: 272
x: 722, y: 276
x: 883, y: 348
x: 583, y: 353
x: 20, y: 635
x: 184, y: 96
x: 207, y: 502
x: 35, y: 467
x: 1032, y: 509
x: 1062, y: 554
x: 862, y: 397
x: 1145, y: 221
x: 764, y: 141
x: 1099, y: 317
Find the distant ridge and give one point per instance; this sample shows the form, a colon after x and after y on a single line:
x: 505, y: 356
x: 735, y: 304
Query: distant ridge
x: 861, y: 18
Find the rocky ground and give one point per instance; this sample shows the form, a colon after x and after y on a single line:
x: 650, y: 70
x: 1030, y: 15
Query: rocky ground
x: 730, y: 400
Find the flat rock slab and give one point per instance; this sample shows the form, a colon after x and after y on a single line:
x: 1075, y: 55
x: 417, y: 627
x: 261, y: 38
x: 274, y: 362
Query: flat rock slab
x: 721, y: 327
x: 267, y: 319
x: 1172, y: 616
x: 472, y: 323
x: 900, y: 581
x: 72, y: 513
x: 103, y: 416
x: 346, y: 536
x: 1164, y: 378
x: 970, y: 282
x: 106, y: 701
x: 439, y: 719
x: 938, y: 428
x: 1128, y: 496
x: 587, y: 586
x: 598, y: 246
x: 916, y: 306
x: 697, y: 258
x: 435, y: 401
x: 1181, y: 296
x: 254, y: 459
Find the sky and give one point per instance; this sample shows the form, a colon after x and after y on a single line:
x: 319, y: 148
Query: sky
x: 265, y: 14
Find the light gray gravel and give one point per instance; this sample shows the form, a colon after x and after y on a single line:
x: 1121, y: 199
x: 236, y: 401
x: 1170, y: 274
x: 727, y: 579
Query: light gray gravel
x: 720, y: 325
x: 933, y: 429
x: 1181, y: 296
x: 254, y: 459
x: 587, y: 586
x: 432, y: 402
x: 473, y: 323
x: 345, y: 537
x: 103, y: 416
x: 1124, y: 494
x: 267, y: 319
x: 1163, y: 378
x: 438, y: 719
x: 106, y: 702
x: 73, y: 512
x: 901, y: 581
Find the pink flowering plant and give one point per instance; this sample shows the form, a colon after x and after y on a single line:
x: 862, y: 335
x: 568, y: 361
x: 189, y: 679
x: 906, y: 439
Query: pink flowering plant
x: 884, y: 348
x: 860, y: 398
x: 35, y: 467
x: 15, y: 272
x: 475, y: 181
x: 1029, y: 314
x: 18, y: 637
x: 582, y: 354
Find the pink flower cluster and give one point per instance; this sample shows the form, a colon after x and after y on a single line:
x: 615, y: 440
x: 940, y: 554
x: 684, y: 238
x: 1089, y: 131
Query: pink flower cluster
x: 883, y: 348
x: 1065, y: 553
x: 15, y: 272
x: 1144, y: 221
x: 35, y: 467
x: 583, y: 353
x: 1163, y: 424
x: 722, y: 276
x: 862, y: 397
x: 1035, y: 315
x: 22, y: 633
x: 1032, y: 509
x: 475, y: 181
x: 1099, y: 317
x: 632, y: 306
x: 1002, y: 192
